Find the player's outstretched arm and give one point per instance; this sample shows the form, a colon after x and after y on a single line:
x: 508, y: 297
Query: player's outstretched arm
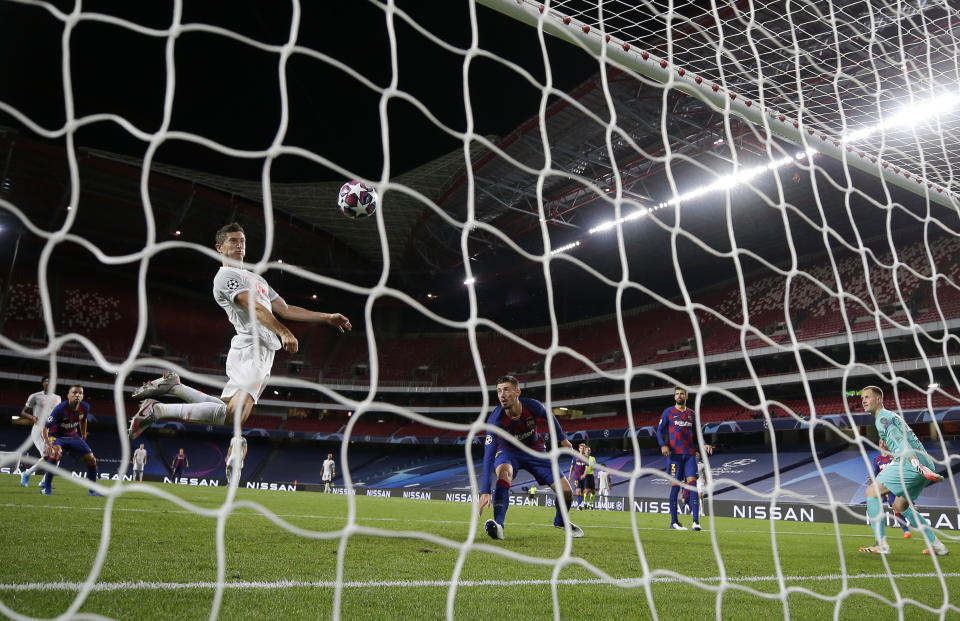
x: 266, y: 317
x: 298, y: 313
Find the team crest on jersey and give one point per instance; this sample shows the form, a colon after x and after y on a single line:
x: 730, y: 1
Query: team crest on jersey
x: 233, y: 284
x: 886, y: 422
x: 531, y: 423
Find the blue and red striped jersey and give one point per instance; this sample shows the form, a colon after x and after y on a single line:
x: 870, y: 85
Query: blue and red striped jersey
x: 579, y: 467
x: 523, y: 429
x: 676, y: 430
x: 880, y: 462
x: 64, y: 422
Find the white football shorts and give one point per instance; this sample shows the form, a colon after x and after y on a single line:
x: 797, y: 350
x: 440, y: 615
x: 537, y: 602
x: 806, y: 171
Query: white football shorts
x: 247, y: 371
x: 38, y: 442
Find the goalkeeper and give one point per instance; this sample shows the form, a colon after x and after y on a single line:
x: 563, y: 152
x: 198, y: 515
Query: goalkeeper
x: 910, y: 472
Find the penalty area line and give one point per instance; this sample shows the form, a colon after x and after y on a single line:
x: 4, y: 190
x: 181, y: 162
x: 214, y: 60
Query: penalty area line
x: 367, y: 584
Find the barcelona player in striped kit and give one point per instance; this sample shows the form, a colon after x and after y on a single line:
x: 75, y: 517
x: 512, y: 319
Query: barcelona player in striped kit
x: 66, y: 428
x: 518, y: 417
x: 577, y: 468
x: 909, y: 473
x: 179, y: 462
x: 678, y: 443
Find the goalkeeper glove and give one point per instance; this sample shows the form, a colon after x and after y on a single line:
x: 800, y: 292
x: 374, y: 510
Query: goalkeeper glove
x: 927, y: 473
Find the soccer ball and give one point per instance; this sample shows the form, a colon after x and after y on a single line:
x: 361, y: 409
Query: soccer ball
x: 357, y: 200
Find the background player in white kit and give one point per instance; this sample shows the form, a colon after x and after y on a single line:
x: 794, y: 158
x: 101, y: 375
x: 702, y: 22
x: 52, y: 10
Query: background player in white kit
x: 139, y: 462
x: 702, y: 474
x: 38, y: 407
x: 603, y: 487
x: 329, y: 473
x: 259, y: 335
x: 236, y: 455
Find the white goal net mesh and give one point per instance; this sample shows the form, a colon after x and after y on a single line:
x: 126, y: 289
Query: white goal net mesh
x: 762, y: 193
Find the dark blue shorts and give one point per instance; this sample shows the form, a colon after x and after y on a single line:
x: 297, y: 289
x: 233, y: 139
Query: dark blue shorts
x: 539, y: 467
x: 682, y: 467
x: 75, y: 446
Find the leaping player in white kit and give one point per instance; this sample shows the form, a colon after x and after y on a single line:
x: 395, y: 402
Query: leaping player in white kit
x: 248, y: 367
x: 38, y: 407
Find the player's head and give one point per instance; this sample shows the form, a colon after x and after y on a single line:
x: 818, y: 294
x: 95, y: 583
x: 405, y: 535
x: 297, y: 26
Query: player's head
x: 586, y: 450
x: 231, y: 241
x: 581, y: 447
x: 329, y: 455
x: 871, y: 398
x: 181, y: 451
x: 680, y: 395
x: 44, y: 383
x: 75, y: 395
x: 141, y: 445
x: 508, y: 391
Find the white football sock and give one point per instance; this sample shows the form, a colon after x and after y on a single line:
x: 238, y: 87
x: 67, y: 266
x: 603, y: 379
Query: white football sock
x: 214, y: 413
x: 192, y: 395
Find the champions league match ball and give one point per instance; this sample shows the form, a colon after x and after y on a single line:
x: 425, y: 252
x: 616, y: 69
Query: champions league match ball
x: 357, y: 200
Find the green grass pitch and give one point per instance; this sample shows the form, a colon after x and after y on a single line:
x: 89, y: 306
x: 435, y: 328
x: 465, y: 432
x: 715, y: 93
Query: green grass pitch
x: 161, y: 562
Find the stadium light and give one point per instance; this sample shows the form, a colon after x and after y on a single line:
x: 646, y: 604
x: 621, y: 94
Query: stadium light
x: 470, y: 281
x: 908, y: 116
x: 933, y: 386
x: 565, y: 248
x: 727, y: 182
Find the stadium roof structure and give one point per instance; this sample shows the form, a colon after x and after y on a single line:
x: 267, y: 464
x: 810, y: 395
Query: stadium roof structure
x: 663, y: 138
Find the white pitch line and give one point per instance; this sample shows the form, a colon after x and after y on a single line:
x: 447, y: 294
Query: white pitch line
x: 326, y: 584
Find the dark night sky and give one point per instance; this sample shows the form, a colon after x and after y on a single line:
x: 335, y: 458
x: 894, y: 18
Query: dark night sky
x: 229, y: 91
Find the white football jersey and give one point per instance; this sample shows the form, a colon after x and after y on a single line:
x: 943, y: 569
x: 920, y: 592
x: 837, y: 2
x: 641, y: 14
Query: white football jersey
x: 237, y: 446
x: 227, y: 284
x: 41, y: 404
x: 604, y: 477
x: 327, y: 468
x: 140, y: 457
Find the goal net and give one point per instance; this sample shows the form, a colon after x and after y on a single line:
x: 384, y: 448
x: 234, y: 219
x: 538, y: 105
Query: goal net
x: 752, y: 200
